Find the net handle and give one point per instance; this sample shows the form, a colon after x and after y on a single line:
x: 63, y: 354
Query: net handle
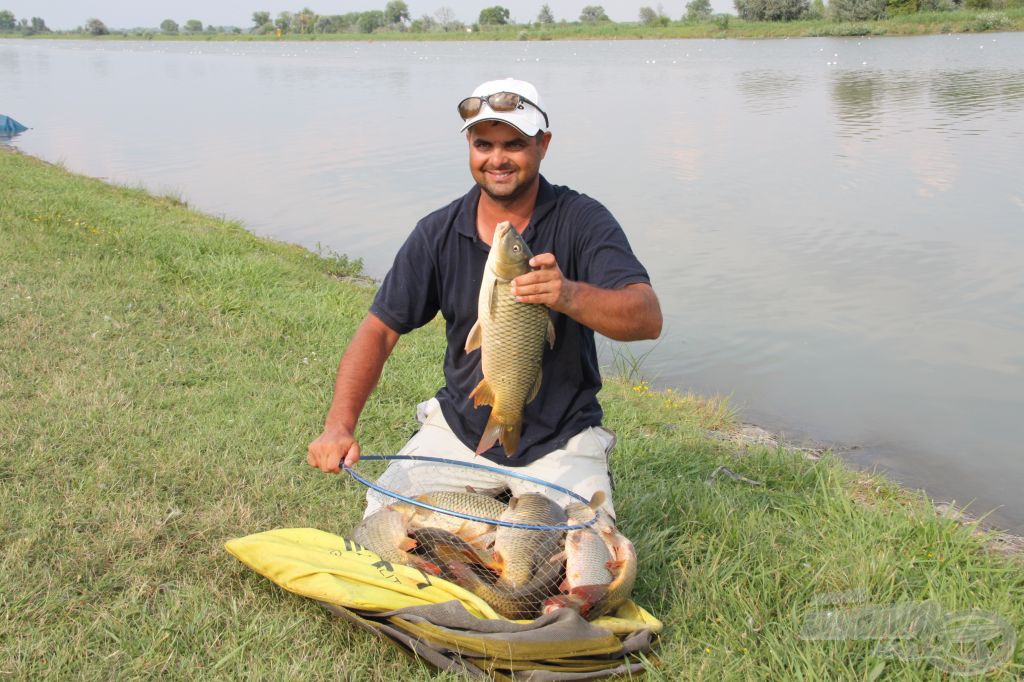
x: 469, y: 517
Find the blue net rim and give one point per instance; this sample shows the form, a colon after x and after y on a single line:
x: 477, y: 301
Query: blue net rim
x: 469, y: 517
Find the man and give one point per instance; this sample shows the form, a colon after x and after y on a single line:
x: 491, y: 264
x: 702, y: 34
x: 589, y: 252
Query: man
x: 585, y: 273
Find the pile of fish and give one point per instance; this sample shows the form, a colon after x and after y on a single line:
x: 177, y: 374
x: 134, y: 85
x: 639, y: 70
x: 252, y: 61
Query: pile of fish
x: 520, y: 572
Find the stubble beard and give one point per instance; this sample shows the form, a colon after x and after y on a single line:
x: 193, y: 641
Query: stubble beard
x: 508, y: 197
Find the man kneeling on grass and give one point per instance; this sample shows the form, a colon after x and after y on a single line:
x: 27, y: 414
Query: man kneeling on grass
x: 584, y: 272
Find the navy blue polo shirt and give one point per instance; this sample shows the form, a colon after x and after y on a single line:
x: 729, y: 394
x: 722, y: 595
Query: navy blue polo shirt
x: 439, y: 269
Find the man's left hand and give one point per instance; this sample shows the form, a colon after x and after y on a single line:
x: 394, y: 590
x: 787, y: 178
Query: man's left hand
x: 545, y: 285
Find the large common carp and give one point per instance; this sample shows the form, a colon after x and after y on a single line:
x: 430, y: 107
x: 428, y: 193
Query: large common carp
x: 524, y: 554
x: 510, y: 336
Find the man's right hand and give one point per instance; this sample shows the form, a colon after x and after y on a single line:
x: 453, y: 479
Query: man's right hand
x: 327, y: 451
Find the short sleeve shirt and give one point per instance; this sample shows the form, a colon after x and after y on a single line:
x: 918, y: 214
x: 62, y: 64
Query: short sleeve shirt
x: 439, y: 269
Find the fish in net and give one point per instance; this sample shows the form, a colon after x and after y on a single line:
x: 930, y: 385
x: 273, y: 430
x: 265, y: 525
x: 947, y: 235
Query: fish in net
x: 524, y: 555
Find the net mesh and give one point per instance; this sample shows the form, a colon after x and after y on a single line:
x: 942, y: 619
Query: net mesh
x: 521, y: 554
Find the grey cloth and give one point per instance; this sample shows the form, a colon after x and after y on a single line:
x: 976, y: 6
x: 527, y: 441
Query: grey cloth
x: 563, y: 625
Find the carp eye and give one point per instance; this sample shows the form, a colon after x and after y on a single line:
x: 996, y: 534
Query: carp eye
x: 516, y: 248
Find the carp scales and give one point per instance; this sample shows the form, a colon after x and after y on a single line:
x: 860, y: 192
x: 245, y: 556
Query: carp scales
x: 521, y: 553
x: 586, y: 560
x: 587, y: 573
x: 385, y: 533
x: 510, y: 336
x: 516, y: 603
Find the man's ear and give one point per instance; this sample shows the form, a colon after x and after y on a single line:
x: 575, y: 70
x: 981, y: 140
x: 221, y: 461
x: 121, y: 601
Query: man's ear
x: 544, y: 142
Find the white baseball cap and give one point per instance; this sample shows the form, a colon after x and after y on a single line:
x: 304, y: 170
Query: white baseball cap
x: 528, y: 117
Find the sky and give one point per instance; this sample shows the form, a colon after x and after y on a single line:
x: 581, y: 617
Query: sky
x: 67, y: 14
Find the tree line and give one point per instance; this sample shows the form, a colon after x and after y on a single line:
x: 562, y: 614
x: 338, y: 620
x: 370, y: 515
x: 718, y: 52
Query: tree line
x: 395, y: 17
x: 9, y: 24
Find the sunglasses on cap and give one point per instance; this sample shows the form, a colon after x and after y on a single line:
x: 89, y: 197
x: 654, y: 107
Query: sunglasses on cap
x: 499, y: 101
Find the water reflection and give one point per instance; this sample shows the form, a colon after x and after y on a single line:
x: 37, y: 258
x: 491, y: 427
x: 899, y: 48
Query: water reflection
x: 871, y: 103
x: 769, y: 90
x: 859, y: 101
x: 975, y: 92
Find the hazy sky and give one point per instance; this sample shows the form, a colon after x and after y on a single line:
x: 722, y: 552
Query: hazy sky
x: 66, y: 14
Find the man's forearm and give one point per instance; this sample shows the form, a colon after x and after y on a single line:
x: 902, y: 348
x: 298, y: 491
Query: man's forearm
x: 359, y: 372
x: 628, y: 314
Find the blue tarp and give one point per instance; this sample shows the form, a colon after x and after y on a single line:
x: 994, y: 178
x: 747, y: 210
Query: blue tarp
x: 8, y: 126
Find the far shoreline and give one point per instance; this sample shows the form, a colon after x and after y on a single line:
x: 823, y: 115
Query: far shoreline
x: 721, y: 27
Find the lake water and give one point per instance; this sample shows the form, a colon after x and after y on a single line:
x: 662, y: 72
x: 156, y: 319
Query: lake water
x: 835, y: 226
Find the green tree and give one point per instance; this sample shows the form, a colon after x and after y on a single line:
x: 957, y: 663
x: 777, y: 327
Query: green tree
x: 496, y: 15
x: 7, y: 21
x: 775, y: 10
x: 96, y: 27
x: 39, y: 26
x: 425, y: 24
x: 169, y: 27
x: 650, y: 17
x: 817, y: 10
x: 698, y: 10
x: 370, y: 21
x: 304, y: 21
x: 347, y: 23
x: 260, y: 19
x: 283, y: 22
x: 396, y: 12
x: 856, y: 10
x: 545, y: 16
x: 592, y: 14
x: 193, y: 26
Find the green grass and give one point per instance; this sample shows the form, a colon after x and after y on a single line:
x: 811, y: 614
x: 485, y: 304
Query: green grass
x: 161, y: 372
x: 919, y: 23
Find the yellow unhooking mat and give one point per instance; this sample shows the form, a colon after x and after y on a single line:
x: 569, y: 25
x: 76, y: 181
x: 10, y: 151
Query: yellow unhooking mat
x: 442, y: 623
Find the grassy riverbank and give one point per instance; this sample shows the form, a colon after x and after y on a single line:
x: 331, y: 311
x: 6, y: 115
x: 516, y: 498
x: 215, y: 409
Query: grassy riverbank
x: 161, y: 372
x: 920, y: 23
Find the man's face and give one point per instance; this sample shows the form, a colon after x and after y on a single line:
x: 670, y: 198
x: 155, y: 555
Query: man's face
x: 503, y: 161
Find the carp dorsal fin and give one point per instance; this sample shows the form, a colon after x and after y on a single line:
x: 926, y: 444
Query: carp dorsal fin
x: 536, y: 386
x: 475, y: 338
x: 551, y: 333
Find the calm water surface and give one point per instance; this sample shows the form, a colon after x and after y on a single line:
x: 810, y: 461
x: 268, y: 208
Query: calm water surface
x: 835, y: 226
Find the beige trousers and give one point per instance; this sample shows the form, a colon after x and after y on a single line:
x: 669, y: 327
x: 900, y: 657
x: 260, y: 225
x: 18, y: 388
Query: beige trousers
x: 581, y: 466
